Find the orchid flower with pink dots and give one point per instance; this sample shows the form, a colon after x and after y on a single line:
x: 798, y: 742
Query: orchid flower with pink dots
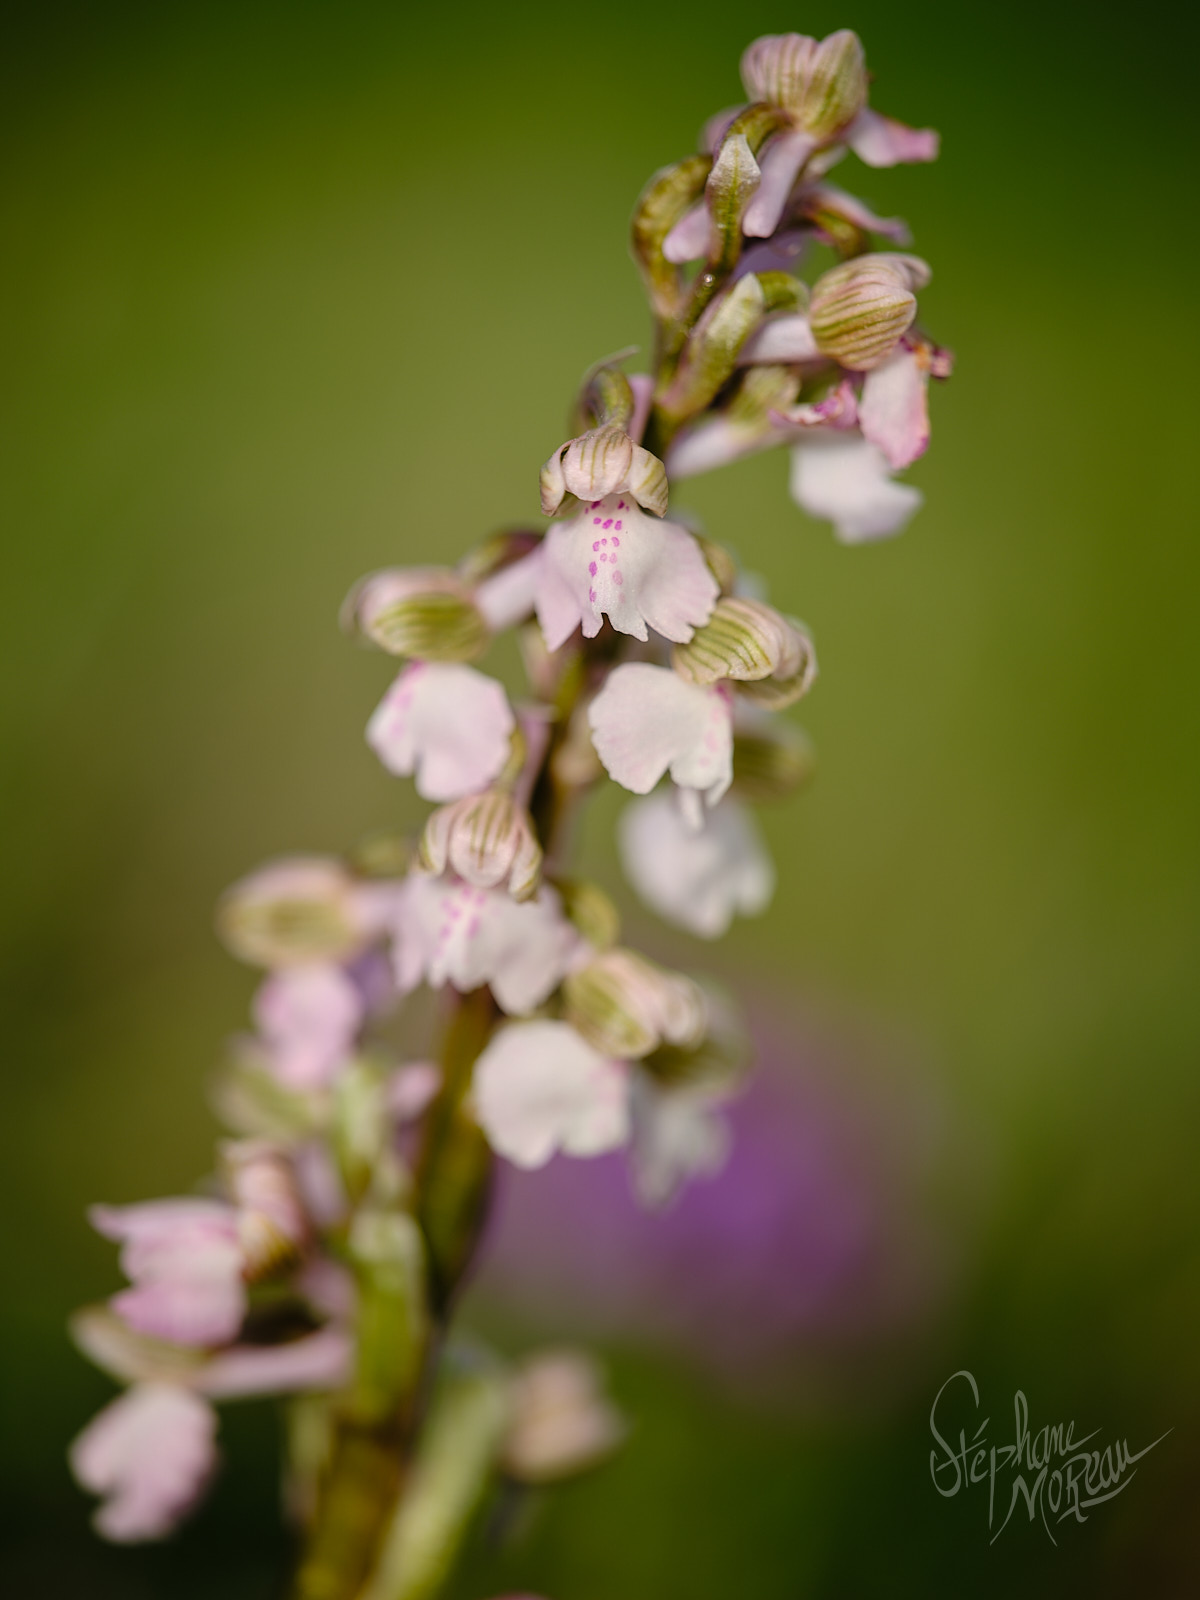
x: 451, y: 995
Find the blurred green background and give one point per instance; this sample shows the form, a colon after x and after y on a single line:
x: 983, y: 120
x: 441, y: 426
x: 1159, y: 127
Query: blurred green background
x: 294, y: 291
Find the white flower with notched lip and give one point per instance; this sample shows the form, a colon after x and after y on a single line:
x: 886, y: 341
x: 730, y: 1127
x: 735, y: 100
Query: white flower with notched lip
x: 607, y: 557
x: 447, y: 931
x: 647, y: 721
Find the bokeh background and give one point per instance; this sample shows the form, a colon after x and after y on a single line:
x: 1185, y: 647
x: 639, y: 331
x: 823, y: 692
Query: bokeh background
x: 294, y: 290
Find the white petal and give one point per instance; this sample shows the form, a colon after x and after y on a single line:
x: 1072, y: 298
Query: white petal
x: 647, y: 721
x: 844, y: 478
x: 715, y: 443
x: 782, y: 340
x: 689, y: 238
x: 539, y: 1088
x: 894, y: 410
x: 445, y: 724
x: 150, y: 1453
x: 677, y: 1134
x: 696, y: 880
x: 506, y: 598
x: 882, y: 141
x: 449, y: 932
x: 780, y: 165
x: 612, y: 560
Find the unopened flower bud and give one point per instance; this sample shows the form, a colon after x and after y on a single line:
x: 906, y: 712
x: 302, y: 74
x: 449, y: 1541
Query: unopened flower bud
x: 297, y: 910
x: 626, y: 1006
x: 859, y: 310
x: 822, y: 87
x: 751, y: 643
x: 603, y: 462
x: 424, y: 612
x: 712, y: 350
x: 560, y: 1422
x: 590, y: 911
x: 488, y: 840
x: 272, y: 1227
x: 771, y: 762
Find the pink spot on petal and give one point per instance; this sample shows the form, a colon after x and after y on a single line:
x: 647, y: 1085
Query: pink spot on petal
x: 620, y: 505
x: 617, y: 541
x: 595, y: 544
x: 618, y: 578
x: 596, y: 520
x: 592, y: 568
x: 604, y: 558
x: 592, y: 596
x: 608, y: 524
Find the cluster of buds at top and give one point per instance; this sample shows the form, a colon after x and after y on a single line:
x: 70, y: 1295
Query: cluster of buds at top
x: 351, y: 1197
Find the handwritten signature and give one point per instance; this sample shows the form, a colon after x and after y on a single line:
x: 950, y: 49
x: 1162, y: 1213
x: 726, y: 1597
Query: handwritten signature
x: 1064, y: 1479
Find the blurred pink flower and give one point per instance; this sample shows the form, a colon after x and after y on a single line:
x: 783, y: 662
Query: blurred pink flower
x: 184, y: 1260
x: 308, y: 1017
x: 150, y: 1453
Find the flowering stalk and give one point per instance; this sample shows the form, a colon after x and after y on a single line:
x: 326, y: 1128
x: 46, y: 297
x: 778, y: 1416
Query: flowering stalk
x: 324, y: 1260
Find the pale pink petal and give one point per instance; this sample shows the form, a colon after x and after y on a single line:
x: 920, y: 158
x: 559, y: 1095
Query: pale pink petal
x: 446, y: 725
x: 452, y: 932
x: 539, y: 1088
x: 506, y: 598
x: 320, y: 1361
x: 883, y: 142
x: 894, y: 410
x: 717, y: 126
x: 698, y: 880
x: 308, y: 1017
x: 780, y: 165
x: 613, y: 560
x: 647, y: 721
x: 828, y: 197
x: 642, y: 384
x: 781, y: 341
x: 715, y: 443
x: 411, y: 1089
x: 185, y: 1262
x: 150, y: 1454
x: 689, y: 239
x: 844, y: 478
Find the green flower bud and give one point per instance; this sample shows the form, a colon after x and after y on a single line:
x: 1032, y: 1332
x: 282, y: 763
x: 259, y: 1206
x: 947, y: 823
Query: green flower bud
x: 771, y: 762
x: 669, y: 195
x: 860, y: 309
x: 752, y: 644
x: 822, y: 87
x: 590, y: 911
x: 488, y: 839
x: 626, y: 1006
x: 425, y: 612
x: 298, y: 909
x: 710, y: 355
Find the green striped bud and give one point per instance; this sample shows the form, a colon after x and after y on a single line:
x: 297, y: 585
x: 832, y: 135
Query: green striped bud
x: 668, y: 196
x: 295, y: 910
x: 822, y: 87
x: 860, y: 309
x: 626, y: 1006
x: 771, y: 762
x: 747, y: 641
x: 710, y: 355
x: 424, y: 612
x: 488, y: 840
